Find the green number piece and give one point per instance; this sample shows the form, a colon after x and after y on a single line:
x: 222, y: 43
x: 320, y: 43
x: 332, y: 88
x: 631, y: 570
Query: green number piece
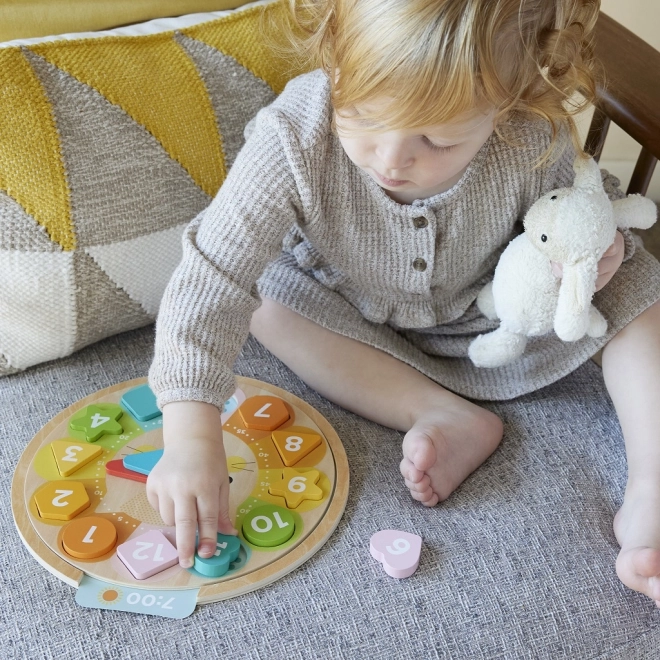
x: 268, y: 526
x: 97, y: 420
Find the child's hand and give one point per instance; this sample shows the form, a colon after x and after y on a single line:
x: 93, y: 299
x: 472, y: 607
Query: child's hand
x: 607, y: 266
x: 189, y: 486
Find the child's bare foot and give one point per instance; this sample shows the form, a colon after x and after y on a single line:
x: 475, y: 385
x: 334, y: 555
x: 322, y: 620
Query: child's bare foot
x: 637, y: 529
x: 447, y: 442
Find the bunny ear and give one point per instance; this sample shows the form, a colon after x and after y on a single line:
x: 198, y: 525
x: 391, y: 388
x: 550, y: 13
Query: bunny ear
x: 587, y: 175
x: 577, y: 288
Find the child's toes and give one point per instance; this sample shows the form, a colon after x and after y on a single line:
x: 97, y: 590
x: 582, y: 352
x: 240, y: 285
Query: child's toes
x: 432, y: 501
x: 639, y: 569
x: 426, y: 497
x: 418, y: 448
x: 419, y: 486
x: 410, y: 472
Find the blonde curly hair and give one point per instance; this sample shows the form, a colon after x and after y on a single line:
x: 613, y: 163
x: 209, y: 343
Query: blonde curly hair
x: 435, y: 60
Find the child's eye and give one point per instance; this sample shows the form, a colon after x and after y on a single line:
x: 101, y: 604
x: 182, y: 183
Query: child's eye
x: 437, y: 147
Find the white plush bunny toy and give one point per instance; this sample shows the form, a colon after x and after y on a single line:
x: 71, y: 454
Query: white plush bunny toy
x: 573, y: 227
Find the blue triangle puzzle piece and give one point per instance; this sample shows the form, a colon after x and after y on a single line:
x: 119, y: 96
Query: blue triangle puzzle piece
x: 144, y: 462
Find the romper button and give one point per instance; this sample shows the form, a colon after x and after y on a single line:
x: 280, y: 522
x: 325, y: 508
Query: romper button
x: 419, y: 264
x: 420, y: 223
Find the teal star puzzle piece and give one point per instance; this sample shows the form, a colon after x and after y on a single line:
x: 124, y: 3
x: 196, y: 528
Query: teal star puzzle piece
x: 98, y: 420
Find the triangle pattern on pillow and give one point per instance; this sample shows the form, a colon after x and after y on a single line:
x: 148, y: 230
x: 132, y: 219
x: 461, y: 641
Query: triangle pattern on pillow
x: 105, y: 309
x: 21, y: 231
x: 142, y: 266
x: 37, y: 183
x: 234, y: 36
x: 184, y: 123
x: 226, y: 80
x: 123, y: 183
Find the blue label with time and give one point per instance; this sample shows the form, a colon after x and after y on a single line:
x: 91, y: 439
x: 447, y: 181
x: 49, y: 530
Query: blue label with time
x: 175, y: 604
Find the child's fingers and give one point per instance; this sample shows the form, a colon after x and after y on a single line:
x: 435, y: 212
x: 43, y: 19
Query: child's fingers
x: 152, y: 496
x: 224, y: 523
x: 166, y: 509
x: 207, y: 521
x: 185, y: 519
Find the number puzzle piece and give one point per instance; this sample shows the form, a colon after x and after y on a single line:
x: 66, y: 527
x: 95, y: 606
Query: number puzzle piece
x: 226, y: 551
x: 144, y: 462
x: 141, y: 403
x: 296, y: 486
x: 398, y: 552
x: 263, y: 413
x: 116, y: 469
x: 61, y: 500
x: 89, y: 537
x: 97, y: 420
x: 293, y: 446
x: 71, y: 456
x: 147, y: 554
x: 268, y: 526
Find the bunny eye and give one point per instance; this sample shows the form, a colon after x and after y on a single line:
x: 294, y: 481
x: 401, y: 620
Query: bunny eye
x: 554, y: 197
x: 544, y: 238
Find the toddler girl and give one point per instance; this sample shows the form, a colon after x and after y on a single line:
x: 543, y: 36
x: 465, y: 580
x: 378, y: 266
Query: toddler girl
x: 368, y: 207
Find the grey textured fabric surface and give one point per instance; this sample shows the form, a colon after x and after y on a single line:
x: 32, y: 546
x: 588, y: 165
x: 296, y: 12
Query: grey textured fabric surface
x: 518, y: 563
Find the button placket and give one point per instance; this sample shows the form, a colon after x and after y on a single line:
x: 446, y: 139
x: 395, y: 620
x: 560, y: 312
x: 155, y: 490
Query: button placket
x: 422, y: 243
x: 419, y: 264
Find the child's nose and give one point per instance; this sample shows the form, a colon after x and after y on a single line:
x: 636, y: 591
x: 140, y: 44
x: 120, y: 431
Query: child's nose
x: 394, y: 154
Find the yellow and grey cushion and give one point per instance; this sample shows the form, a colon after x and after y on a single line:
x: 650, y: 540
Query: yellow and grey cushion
x: 36, y: 18
x: 109, y: 146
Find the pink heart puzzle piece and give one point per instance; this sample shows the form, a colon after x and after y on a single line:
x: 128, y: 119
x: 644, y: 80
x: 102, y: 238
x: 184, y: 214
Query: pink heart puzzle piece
x: 397, y: 551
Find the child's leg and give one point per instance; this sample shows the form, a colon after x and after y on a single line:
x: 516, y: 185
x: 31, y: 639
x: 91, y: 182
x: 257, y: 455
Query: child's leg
x: 446, y: 438
x: 631, y: 366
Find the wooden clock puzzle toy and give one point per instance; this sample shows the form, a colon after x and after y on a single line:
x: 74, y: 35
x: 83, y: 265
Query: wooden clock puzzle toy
x: 79, y: 498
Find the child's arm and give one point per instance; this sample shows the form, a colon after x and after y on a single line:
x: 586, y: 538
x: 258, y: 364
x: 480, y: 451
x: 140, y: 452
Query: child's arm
x: 204, y: 320
x: 189, y: 486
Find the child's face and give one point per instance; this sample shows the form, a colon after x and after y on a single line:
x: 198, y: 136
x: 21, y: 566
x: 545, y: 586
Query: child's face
x: 414, y: 163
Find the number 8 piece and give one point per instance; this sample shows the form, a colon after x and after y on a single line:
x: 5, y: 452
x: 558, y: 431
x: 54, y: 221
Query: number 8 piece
x: 79, y: 495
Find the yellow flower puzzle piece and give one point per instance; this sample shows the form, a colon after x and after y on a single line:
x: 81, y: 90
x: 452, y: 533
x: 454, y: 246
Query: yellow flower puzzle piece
x: 297, y: 486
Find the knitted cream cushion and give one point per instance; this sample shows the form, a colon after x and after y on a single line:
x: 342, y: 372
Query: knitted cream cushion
x: 109, y: 145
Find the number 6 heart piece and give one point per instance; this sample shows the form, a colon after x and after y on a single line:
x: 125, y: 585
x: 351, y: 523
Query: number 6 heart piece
x: 80, y: 485
x: 397, y: 551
